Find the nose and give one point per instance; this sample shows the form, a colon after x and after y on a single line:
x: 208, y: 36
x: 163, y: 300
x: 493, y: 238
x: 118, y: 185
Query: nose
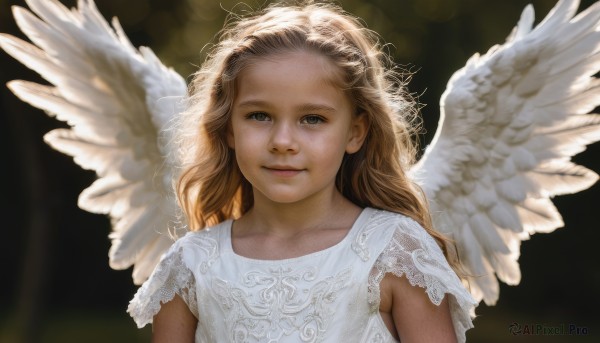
x: 283, y: 138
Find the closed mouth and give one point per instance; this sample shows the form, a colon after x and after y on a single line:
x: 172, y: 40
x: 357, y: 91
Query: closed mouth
x: 283, y: 170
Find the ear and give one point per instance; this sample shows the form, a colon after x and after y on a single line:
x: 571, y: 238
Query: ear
x: 358, y: 132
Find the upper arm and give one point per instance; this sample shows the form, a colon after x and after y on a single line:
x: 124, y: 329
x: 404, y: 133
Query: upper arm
x: 174, y: 322
x: 415, y: 317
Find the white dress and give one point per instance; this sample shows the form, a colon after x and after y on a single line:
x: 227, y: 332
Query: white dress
x: 326, y: 296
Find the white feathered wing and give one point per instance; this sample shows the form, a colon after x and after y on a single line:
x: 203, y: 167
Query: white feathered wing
x: 510, y: 122
x: 118, y: 102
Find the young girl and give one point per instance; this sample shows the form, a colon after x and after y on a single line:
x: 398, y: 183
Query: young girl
x: 304, y: 225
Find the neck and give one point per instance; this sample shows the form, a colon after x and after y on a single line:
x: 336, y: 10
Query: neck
x: 290, y: 218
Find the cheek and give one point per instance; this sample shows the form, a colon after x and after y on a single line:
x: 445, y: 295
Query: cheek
x: 329, y: 150
x: 243, y: 158
x: 247, y: 145
x: 236, y: 134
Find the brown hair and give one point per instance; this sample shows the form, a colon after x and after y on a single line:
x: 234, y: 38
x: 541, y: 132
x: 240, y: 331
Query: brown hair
x: 211, y: 187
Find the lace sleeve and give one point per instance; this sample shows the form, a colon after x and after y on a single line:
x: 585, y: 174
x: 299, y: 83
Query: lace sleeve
x: 170, y: 277
x: 412, y: 252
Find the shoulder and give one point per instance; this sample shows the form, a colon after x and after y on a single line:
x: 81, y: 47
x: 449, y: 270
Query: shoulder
x: 207, y: 236
x: 176, y: 274
x: 403, y: 221
x: 384, y: 218
x: 382, y: 228
x: 407, y: 227
x: 411, y: 251
x: 199, y: 248
x: 394, y: 224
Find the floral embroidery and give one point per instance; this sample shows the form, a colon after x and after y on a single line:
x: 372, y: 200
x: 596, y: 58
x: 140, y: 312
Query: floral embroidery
x: 279, y: 302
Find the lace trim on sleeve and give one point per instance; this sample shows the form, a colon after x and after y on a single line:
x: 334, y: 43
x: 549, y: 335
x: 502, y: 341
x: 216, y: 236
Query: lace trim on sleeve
x: 170, y: 277
x: 412, y: 252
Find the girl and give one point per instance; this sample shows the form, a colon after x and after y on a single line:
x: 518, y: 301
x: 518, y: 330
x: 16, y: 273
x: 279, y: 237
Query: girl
x: 304, y: 225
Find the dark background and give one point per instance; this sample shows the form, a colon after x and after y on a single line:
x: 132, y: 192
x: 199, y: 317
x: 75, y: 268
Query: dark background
x: 56, y: 285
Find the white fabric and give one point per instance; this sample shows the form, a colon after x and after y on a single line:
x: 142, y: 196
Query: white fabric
x: 327, y: 296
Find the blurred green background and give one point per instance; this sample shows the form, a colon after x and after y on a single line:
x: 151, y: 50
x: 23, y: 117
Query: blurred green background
x: 56, y: 284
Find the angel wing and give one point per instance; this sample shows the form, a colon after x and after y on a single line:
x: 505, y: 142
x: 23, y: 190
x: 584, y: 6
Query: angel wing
x: 118, y: 102
x: 510, y: 122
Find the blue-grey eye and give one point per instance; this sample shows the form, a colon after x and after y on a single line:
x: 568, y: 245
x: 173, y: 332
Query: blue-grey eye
x: 312, y: 120
x: 258, y: 116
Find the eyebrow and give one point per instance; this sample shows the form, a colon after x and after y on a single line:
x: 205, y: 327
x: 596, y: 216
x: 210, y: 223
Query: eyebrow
x: 308, y: 107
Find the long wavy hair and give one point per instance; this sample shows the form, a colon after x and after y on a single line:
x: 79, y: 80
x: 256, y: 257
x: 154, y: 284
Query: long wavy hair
x: 211, y: 187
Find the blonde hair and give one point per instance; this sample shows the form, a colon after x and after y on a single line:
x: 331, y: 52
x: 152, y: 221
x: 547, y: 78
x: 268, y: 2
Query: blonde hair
x: 211, y: 187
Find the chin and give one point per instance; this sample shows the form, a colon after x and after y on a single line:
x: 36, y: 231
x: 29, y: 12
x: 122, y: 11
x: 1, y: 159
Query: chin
x: 282, y: 197
x: 285, y: 199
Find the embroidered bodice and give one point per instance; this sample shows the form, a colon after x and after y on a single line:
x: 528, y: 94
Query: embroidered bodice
x: 327, y: 296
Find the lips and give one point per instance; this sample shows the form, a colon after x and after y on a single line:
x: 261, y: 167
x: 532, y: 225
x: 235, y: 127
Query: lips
x: 284, y: 171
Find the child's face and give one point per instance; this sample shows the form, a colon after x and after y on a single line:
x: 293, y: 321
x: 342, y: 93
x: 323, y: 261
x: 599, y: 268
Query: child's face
x: 290, y: 127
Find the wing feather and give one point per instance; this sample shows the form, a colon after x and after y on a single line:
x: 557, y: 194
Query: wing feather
x: 118, y: 102
x: 510, y: 122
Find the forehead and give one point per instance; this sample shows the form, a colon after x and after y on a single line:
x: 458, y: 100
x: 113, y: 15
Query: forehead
x: 300, y: 75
